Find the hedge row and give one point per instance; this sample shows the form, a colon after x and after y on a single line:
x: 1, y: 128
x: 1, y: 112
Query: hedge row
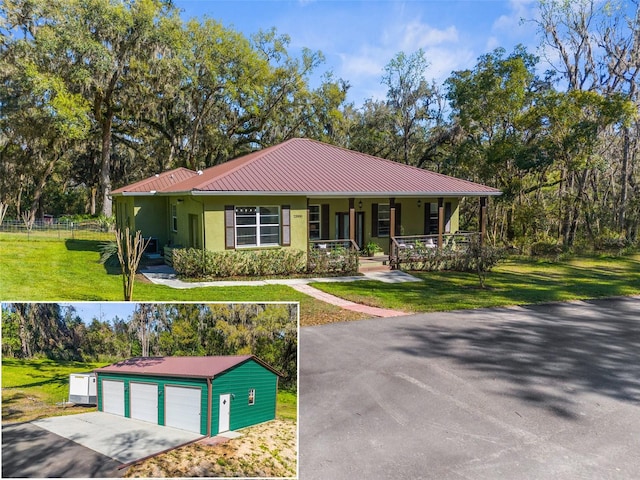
x: 193, y: 263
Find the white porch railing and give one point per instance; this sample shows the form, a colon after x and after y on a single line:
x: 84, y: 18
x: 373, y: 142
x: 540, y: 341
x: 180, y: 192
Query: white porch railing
x: 415, y: 247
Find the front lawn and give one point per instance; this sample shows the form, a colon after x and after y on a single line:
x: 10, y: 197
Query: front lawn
x: 515, y: 282
x: 49, y: 269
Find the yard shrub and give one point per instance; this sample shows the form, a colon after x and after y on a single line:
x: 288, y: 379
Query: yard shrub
x: 471, y: 257
x: 194, y: 263
x: 333, y: 261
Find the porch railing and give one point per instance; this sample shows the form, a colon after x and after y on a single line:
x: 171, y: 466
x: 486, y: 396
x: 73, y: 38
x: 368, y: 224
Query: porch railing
x: 414, y: 248
x: 333, y: 256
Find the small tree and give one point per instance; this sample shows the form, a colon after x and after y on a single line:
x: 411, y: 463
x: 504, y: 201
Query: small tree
x: 483, y: 258
x: 130, y: 250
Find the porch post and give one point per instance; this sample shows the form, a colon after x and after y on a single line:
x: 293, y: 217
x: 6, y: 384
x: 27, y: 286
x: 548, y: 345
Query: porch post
x: 352, y: 220
x: 440, y: 221
x: 483, y: 219
x: 392, y: 223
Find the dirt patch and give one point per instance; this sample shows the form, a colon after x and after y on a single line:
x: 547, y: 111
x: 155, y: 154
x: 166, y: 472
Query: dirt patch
x: 266, y: 450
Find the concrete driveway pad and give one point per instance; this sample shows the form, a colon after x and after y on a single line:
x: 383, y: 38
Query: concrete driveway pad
x: 123, y: 439
x: 548, y: 391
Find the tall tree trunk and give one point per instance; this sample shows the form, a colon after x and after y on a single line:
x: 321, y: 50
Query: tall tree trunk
x: 105, y: 164
x: 624, y: 184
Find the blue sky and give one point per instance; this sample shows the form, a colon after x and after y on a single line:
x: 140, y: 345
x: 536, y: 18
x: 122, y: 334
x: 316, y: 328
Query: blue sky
x: 102, y: 310
x: 358, y: 38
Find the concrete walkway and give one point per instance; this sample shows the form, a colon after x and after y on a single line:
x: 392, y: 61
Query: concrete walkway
x: 165, y: 275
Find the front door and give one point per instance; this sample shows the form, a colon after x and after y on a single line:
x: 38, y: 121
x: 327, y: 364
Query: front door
x: 360, y: 229
x: 342, y: 225
x: 194, y: 231
x: 225, y: 413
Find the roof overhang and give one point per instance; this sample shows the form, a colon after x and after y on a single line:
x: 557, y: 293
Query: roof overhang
x: 219, y: 193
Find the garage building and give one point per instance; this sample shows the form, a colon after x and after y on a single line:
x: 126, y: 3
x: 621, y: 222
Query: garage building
x: 207, y: 395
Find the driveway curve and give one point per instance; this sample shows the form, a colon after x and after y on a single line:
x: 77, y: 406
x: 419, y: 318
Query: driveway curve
x: 548, y: 391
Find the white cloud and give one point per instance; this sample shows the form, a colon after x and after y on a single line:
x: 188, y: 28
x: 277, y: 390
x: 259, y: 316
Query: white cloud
x: 419, y: 35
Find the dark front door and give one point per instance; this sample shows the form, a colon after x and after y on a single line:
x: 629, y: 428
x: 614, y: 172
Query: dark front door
x: 360, y: 229
x: 342, y: 225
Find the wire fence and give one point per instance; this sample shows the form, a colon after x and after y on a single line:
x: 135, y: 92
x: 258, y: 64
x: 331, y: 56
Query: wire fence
x: 61, y: 229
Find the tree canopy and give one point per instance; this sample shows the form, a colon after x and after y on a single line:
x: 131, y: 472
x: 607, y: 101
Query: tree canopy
x: 101, y: 93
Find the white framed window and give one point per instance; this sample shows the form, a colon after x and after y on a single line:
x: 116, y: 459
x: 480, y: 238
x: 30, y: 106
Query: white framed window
x: 384, y: 220
x: 174, y: 217
x: 252, y: 396
x: 314, y: 222
x: 257, y: 226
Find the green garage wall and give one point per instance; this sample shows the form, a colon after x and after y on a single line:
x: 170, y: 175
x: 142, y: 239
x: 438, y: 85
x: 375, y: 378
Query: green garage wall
x: 161, y: 382
x: 238, y: 381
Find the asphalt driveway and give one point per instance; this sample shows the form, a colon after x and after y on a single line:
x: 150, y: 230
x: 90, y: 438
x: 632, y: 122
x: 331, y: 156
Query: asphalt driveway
x: 549, y: 391
x: 123, y: 439
x: 30, y: 451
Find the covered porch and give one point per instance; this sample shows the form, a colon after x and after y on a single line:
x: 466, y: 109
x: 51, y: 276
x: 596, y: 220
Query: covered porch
x: 394, y: 228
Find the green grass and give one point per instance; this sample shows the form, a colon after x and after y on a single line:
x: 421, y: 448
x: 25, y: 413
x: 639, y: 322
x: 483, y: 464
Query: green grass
x: 287, y: 405
x: 32, y: 389
x: 50, y: 269
x: 515, y: 282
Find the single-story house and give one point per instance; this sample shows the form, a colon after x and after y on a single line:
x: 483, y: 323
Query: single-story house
x: 293, y: 195
x: 207, y: 395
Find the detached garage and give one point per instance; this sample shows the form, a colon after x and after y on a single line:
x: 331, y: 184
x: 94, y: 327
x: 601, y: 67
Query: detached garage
x: 207, y: 395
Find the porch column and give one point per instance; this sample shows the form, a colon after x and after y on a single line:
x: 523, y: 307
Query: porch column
x: 352, y: 220
x: 392, y: 223
x: 483, y: 219
x: 440, y: 221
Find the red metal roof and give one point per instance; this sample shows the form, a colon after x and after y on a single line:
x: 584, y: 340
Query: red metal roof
x: 198, y: 367
x: 159, y: 182
x: 308, y: 167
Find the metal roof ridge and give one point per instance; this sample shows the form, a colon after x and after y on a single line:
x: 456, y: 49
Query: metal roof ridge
x: 152, y: 178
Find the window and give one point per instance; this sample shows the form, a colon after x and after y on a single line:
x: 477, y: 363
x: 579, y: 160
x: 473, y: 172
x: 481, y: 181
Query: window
x: 174, y: 217
x: 252, y: 396
x: 384, y: 220
x: 257, y: 226
x: 314, y: 222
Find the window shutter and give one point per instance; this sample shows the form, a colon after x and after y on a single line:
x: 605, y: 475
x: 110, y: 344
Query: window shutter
x: 324, y: 221
x: 229, y: 227
x: 286, y: 225
x: 398, y: 230
x: 374, y: 219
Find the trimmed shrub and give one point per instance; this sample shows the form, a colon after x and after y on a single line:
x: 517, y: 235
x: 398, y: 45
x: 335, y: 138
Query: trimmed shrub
x: 193, y: 263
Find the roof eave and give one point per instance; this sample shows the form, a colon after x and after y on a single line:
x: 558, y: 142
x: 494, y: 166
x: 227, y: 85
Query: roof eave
x: 215, y: 193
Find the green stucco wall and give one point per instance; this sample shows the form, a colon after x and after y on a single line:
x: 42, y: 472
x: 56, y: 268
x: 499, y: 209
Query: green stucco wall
x: 237, y: 381
x: 151, y: 217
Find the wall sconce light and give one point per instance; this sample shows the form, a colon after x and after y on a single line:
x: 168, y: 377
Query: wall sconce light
x: 419, y: 203
x: 179, y: 200
x: 360, y: 205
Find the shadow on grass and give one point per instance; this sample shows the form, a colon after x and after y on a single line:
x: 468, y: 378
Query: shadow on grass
x: 548, y: 356
x: 83, y: 245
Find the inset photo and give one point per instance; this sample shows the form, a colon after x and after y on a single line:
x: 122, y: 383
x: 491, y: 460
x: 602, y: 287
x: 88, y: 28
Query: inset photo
x: 149, y: 389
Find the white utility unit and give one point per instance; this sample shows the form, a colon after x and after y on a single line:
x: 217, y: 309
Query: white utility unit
x: 83, y: 389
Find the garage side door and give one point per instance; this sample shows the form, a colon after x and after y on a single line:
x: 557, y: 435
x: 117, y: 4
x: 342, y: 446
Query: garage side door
x: 144, y: 401
x: 182, y: 408
x: 113, y: 397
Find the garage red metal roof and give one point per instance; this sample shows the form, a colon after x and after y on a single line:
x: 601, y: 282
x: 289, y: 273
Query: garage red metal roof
x: 308, y: 167
x: 198, y: 367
